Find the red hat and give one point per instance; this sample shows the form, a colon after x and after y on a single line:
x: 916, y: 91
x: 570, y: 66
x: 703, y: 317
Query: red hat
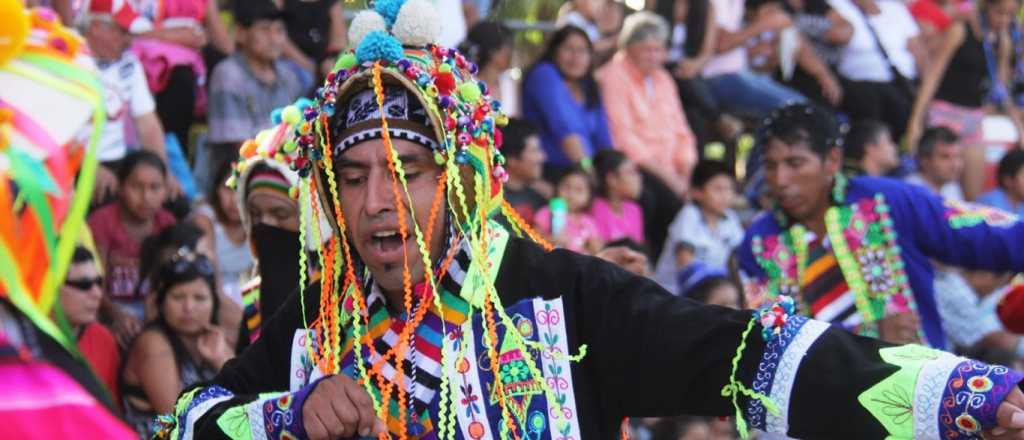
x: 1011, y: 309
x: 123, y: 14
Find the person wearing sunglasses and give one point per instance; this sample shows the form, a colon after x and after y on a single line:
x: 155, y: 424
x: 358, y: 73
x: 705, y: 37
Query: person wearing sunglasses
x: 181, y: 346
x: 80, y: 298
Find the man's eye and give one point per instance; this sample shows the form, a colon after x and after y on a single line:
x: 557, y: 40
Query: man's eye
x: 353, y: 181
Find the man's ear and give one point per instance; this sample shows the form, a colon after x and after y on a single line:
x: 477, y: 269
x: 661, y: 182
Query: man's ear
x: 833, y: 160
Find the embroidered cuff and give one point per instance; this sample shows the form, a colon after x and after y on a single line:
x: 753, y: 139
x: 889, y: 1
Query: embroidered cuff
x: 937, y: 395
x: 973, y: 392
x: 191, y: 406
x: 787, y: 340
x: 282, y: 414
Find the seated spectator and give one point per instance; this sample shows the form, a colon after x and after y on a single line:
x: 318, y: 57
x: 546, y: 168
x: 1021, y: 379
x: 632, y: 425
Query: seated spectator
x: 561, y: 99
x: 708, y: 285
x: 1009, y: 195
x: 645, y: 116
x: 824, y: 33
x: 939, y: 163
x: 126, y: 94
x: 708, y: 224
x: 119, y: 229
x: 731, y: 81
x: 489, y: 45
x: 524, y: 163
x: 80, y: 303
x: 588, y: 15
x: 180, y: 348
x: 158, y: 249
x: 959, y: 88
x: 615, y: 210
x: 170, y: 54
x: 690, y: 46
x: 252, y: 83
x: 221, y: 223
x: 316, y: 28
x: 879, y: 64
x: 567, y: 219
x: 868, y: 150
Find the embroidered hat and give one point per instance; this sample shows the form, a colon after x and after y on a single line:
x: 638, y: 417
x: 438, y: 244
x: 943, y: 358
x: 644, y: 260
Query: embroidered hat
x: 267, y: 179
x: 406, y: 116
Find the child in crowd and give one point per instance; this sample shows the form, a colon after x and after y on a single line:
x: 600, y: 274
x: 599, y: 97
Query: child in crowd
x: 525, y: 164
x: 221, y: 223
x: 709, y: 223
x: 567, y: 220
x: 119, y: 229
x: 709, y: 285
x: 615, y: 211
x: 80, y: 302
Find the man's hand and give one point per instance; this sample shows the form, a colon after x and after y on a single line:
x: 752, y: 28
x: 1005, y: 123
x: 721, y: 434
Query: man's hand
x: 831, y: 90
x: 774, y: 21
x: 173, y: 187
x: 125, y: 327
x: 213, y: 347
x: 626, y: 258
x: 687, y: 69
x: 339, y: 408
x: 899, y: 328
x: 105, y: 185
x: 1010, y: 417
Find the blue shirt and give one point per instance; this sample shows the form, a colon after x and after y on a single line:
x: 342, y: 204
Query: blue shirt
x: 548, y: 104
x: 997, y: 199
x: 926, y: 227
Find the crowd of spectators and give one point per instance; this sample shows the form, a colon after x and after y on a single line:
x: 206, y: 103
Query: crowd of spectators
x: 629, y: 128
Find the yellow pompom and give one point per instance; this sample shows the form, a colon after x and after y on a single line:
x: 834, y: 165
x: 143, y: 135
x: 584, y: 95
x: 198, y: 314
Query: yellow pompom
x: 14, y: 28
x: 291, y: 115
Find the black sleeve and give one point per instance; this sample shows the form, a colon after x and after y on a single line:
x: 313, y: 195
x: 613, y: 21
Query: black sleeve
x: 653, y: 354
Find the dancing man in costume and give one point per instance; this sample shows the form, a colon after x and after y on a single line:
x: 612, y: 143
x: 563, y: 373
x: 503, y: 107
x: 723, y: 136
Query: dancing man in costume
x: 47, y: 166
x: 270, y: 215
x: 856, y: 252
x: 432, y: 321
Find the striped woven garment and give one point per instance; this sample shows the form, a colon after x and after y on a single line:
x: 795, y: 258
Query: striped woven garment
x: 422, y: 365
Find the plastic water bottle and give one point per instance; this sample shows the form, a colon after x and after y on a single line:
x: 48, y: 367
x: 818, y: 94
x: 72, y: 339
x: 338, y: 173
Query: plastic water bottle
x: 559, y: 214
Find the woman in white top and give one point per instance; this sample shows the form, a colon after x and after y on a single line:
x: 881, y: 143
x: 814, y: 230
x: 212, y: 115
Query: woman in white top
x: 221, y: 223
x: 880, y: 63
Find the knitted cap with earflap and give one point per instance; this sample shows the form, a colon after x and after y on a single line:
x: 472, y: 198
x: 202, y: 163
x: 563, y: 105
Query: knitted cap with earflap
x: 274, y: 150
x: 397, y: 84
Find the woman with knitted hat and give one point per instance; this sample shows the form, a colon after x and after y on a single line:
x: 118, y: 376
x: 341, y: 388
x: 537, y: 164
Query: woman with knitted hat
x: 430, y: 320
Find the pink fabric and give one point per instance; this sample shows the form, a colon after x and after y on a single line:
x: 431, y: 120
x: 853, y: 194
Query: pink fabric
x: 579, y: 228
x: 183, y: 9
x: 648, y: 125
x: 41, y: 401
x: 119, y: 251
x: 964, y: 121
x: 612, y: 225
x: 158, y: 57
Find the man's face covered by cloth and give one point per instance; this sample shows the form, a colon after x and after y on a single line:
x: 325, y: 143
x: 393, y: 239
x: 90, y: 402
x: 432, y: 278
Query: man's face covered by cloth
x: 367, y: 188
